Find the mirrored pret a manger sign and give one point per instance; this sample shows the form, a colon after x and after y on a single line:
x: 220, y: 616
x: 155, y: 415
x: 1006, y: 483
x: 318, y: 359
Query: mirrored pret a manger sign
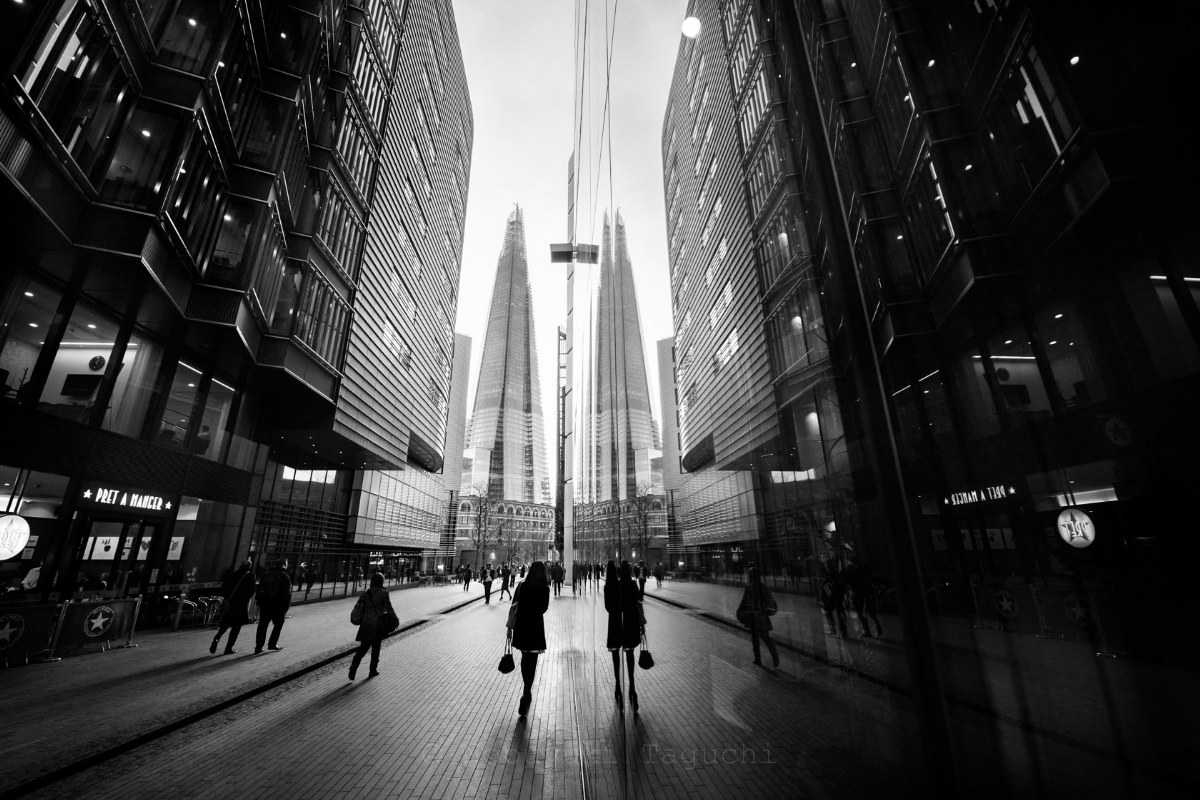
x: 123, y: 498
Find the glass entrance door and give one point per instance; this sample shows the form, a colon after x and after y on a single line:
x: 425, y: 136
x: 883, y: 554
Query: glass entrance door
x: 113, y: 557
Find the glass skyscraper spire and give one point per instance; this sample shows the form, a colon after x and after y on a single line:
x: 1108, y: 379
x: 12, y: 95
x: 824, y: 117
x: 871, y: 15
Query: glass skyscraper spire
x: 507, y: 446
x: 621, y: 450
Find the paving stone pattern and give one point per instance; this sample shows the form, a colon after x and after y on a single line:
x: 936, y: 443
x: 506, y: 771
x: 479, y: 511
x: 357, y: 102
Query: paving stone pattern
x: 61, y: 712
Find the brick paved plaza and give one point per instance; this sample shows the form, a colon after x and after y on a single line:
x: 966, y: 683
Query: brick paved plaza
x: 440, y: 721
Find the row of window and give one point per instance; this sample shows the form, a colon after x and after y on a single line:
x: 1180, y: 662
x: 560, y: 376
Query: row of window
x: 102, y: 372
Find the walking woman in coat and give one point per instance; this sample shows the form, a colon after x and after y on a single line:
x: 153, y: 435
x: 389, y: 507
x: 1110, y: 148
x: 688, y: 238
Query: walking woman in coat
x: 376, y: 602
x: 755, y: 611
x: 487, y: 575
x: 623, y: 604
x: 237, y: 590
x: 529, y: 633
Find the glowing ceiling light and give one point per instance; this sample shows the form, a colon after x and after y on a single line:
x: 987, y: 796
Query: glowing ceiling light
x: 146, y: 134
x: 1074, y: 60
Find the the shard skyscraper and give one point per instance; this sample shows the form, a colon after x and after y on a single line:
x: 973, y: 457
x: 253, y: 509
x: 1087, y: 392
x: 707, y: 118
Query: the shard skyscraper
x: 506, y: 446
x: 619, y: 449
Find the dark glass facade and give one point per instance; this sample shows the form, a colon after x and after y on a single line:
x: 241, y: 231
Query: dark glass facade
x: 936, y: 325
x: 209, y: 239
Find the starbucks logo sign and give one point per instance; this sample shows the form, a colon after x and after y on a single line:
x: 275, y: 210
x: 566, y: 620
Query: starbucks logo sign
x: 11, y: 628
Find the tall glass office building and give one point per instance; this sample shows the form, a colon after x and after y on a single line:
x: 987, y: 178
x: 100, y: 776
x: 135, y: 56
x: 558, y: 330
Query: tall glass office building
x: 619, y: 452
x: 504, y: 463
x: 935, y: 303
x: 234, y: 237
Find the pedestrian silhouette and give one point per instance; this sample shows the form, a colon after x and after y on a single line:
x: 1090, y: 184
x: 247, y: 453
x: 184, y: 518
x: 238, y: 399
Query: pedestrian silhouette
x: 376, y: 604
x: 622, y: 601
x: 237, y: 590
x: 529, y: 633
x: 755, y: 612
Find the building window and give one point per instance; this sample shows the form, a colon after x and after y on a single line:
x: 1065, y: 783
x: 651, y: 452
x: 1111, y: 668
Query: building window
x: 76, y: 80
x: 726, y: 351
x: 717, y: 260
x: 196, y: 199
x: 721, y: 306
x: 214, y: 420
x: 340, y: 229
x: 135, y: 174
x: 798, y: 329
x: 786, y: 237
x: 135, y: 387
x: 927, y: 216
x: 355, y: 151
x: 28, y: 311
x: 235, y: 82
x: 322, y: 317
x: 191, y: 34
x: 174, y: 425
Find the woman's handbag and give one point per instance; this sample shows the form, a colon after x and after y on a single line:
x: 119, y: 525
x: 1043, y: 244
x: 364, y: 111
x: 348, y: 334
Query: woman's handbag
x: 745, y: 614
x: 356, y: 613
x: 645, y: 660
x: 507, y: 664
x: 388, y: 622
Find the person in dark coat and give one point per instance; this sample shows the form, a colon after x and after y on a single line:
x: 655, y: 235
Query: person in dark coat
x: 466, y: 578
x: 376, y: 602
x: 274, y: 600
x: 862, y: 588
x: 622, y: 601
x: 486, y: 576
x: 505, y: 577
x: 755, y: 612
x: 529, y: 633
x: 237, y: 590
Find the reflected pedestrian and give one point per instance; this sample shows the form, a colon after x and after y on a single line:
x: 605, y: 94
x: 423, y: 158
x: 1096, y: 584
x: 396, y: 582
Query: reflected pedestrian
x: 529, y: 633
x: 626, y: 625
x: 862, y: 589
x: 237, y: 590
x: 274, y: 599
x: 377, y: 603
x: 833, y: 596
x: 641, y: 579
x: 755, y: 612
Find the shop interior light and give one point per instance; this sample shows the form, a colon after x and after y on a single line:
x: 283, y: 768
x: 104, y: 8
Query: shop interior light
x: 691, y: 27
x: 189, y: 366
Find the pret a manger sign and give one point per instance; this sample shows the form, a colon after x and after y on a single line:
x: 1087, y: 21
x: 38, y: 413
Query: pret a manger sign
x: 122, y: 498
x: 986, y: 494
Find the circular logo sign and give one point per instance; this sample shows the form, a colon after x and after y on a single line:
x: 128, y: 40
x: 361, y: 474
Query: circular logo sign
x: 99, y: 621
x: 11, y: 628
x: 1076, y: 528
x: 1077, y: 610
x: 14, y: 535
x: 1117, y: 431
x: 1005, y: 603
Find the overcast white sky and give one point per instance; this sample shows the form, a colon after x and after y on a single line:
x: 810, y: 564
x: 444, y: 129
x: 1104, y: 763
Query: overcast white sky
x: 519, y: 57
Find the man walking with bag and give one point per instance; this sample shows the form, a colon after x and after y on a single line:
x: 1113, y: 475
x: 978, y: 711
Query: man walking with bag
x: 274, y: 599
